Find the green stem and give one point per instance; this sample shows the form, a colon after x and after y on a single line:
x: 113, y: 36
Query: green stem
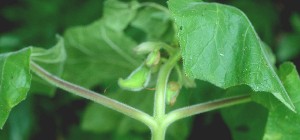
x: 158, y: 131
x: 204, y: 107
x: 161, y: 85
x: 91, y: 95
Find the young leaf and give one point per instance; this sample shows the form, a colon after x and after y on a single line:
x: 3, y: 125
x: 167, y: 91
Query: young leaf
x: 219, y: 45
x: 283, y: 123
x: 15, y: 80
x: 53, y: 61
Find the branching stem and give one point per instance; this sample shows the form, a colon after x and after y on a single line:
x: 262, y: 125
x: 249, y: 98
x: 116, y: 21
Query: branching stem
x: 159, y: 122
x: 161, y: 85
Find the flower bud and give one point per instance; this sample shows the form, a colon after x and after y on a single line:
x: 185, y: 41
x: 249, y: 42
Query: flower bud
x: 173, y: 89
x: 137, y: 80
x: 153, y: 58
x: 147, y: 47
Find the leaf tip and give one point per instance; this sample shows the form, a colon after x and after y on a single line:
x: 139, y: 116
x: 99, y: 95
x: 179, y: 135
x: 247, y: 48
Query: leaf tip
x: 291, y: 106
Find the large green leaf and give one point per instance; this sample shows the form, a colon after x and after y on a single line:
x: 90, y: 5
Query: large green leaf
x: 100, y: 53
x: 283, y: 123
x: 53, y: 61
x: 220, y: 45
x: 15, y: 80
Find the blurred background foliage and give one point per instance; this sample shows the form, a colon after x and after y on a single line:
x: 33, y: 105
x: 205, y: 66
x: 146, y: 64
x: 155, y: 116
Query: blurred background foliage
x: 64, y: 117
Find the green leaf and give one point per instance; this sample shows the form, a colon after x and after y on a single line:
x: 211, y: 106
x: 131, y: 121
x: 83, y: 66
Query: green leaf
x: 153, y: 22
x: 283, y: 123
x: 53, y: 61
x: 100, y: 119
x: 100, y: 53
x: 219, y: 45
x: 15, y: 80
x: 243, y: 123
x: 117, y: 15
x: 20, y: 122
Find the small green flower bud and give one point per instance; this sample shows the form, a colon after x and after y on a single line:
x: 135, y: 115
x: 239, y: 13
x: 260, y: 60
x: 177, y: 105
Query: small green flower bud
x: 137, y: 80
x: 173, y: 89
x: 153, y: 58
x: 147, y: 47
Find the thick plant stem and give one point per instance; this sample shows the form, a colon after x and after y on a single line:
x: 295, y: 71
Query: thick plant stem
x: 204, y: 107
x: 96, y: 97
x: 159, y: 130
x: 158, y: 133
x: 161, y: 86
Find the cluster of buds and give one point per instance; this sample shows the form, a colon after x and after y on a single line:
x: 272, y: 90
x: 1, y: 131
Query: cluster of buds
x: 140, y: 77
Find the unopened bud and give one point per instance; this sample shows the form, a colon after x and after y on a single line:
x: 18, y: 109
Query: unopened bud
x: 147, y: 47
x: 137, y: 80
x: 153, y: 58
x: 173, y: 89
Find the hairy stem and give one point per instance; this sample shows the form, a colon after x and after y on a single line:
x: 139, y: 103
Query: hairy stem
x: 91, y: 95
x: 204, y: 107
x: 161, y: 85
x: 158, y: 131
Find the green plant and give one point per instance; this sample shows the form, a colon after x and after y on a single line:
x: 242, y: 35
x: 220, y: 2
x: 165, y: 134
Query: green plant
x: 215, y: 42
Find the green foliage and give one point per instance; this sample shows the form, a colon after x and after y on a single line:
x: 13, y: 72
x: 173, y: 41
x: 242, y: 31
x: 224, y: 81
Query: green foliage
x: 224, y: 50
x: 53, y: 60
x: 37, y: 25
x: 15, y: 80
x: 282, y: 123
x: 246, y: 121
x: 93, y: 46
x: 220, y: 48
